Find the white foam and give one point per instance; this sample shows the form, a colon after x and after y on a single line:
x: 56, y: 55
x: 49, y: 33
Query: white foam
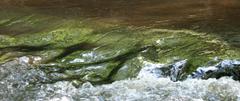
x: 150, y: 70
x: 147, y: 87
x: 153, y: 89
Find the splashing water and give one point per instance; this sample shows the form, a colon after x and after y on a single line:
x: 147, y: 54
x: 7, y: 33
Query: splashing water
x: 16, y: 85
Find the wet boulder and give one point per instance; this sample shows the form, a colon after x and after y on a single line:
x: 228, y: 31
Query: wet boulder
x: 175, y: 71
x: 223, y: 68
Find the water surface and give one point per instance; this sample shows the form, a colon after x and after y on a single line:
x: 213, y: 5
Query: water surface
x: 220, y: 17
x: 181, y: 28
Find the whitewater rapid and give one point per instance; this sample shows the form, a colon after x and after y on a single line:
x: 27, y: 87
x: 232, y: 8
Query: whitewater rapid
x: 148, y: 86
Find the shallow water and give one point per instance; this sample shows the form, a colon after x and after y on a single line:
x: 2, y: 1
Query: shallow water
x: 20, y: 80
x: 220, y: 17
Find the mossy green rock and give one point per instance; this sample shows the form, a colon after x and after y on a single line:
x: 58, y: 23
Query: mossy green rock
x: 74, y: 42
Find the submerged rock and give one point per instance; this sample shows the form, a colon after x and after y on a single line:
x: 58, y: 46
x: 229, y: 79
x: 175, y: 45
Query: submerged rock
x: 77, y: 45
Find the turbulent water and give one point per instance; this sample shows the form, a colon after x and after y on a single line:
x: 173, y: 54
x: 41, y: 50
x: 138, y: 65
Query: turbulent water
x: 119, y: 50
x: 19, y: 83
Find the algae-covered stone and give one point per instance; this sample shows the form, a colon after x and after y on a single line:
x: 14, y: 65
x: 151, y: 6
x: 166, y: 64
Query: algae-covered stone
x: 129, y: 69
x: 92, y: 73
x: 73, y: 44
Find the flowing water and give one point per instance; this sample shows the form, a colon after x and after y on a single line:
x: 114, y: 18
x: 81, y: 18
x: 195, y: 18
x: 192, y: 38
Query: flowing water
x: 148, y: 86
x: 201, y: 34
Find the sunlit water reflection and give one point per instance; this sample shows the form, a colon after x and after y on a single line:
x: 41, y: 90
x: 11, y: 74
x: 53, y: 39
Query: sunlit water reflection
x: 218, y: 17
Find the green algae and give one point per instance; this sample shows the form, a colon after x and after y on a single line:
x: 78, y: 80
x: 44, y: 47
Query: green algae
x: 77, y: 45
x: 129, y: 69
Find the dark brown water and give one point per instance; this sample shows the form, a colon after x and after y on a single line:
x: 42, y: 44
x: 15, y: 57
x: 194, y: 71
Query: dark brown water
x: 220, y: 17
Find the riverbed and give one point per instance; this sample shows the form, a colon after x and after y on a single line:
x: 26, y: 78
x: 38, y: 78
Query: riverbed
x: 125, y: 50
